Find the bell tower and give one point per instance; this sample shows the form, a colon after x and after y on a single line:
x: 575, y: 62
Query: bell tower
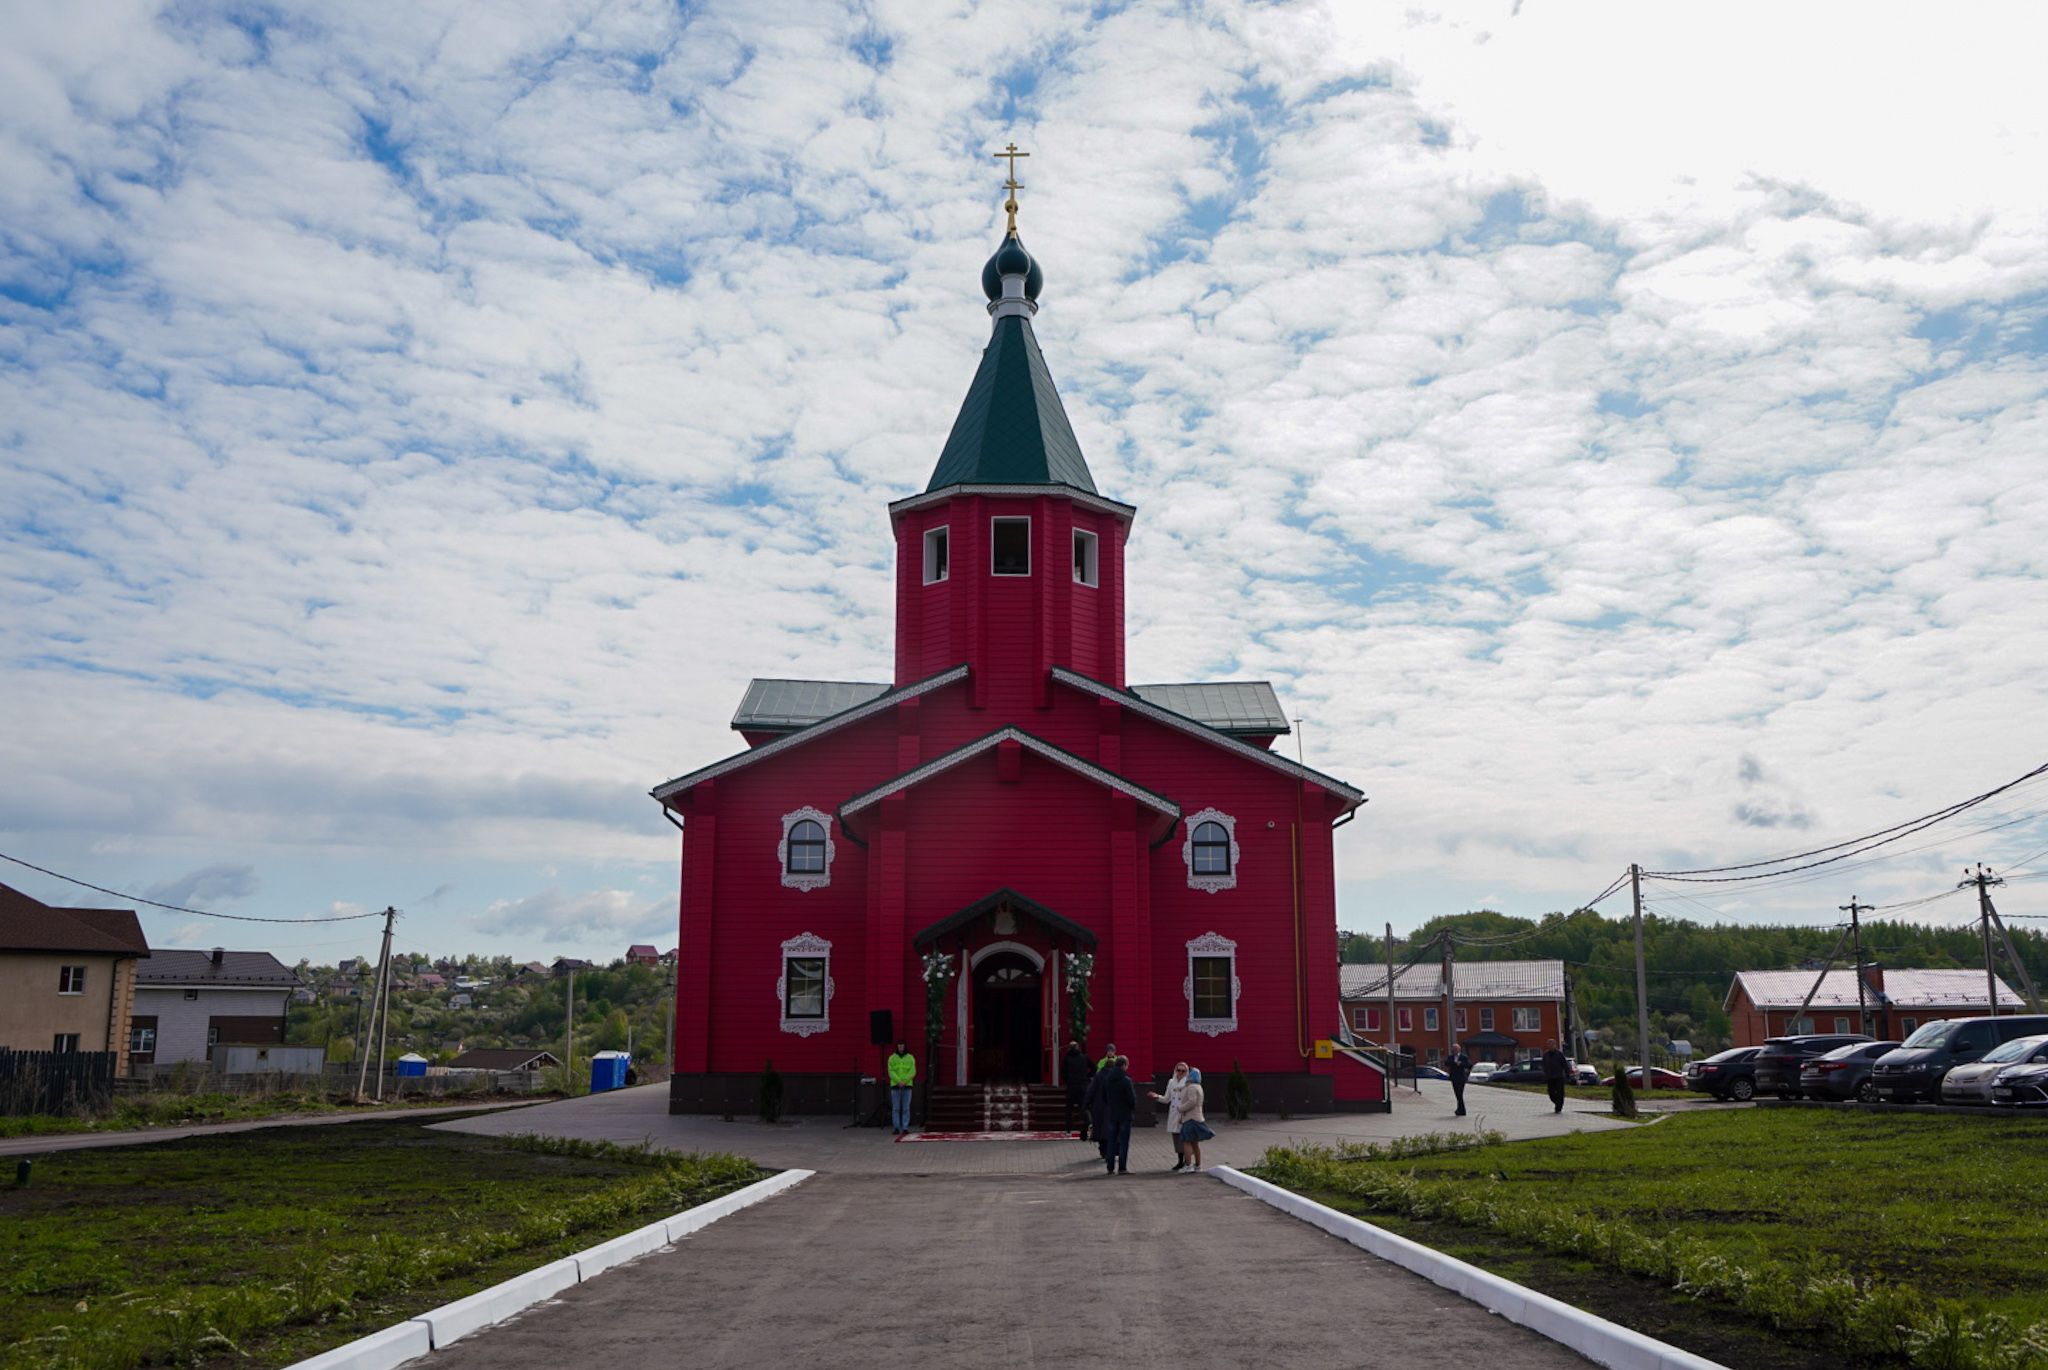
x: 1010, y: 562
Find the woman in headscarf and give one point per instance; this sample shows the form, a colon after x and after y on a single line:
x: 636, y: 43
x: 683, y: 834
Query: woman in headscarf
x: 1193, y: 1129
x: 1171, y: 1099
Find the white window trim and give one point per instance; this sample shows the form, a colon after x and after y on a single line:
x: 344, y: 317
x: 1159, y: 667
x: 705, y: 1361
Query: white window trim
x: 803, y: 944
x: 1209, y: 883
x: 809, y: 880
x: 73, y: 976
x: 946, y: 531
x: 1210, y: 944
x: 1024, y: 519
x: 1092, y: 563
x: 1535, y: 1016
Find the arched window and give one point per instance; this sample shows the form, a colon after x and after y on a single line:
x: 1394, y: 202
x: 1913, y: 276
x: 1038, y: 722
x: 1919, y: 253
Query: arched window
x: 1210, y: 851
x: 807, y: 848
x: 806, y: 851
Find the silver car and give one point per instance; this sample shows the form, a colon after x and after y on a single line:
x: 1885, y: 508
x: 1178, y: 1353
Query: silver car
x: 1971, y: 1084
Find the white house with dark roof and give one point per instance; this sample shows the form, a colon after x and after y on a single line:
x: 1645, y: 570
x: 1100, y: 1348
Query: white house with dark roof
x: 188, y: 1002
x: 1767, y: 1003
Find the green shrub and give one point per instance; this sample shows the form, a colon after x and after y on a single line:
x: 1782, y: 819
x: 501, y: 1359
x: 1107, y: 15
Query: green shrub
x: 768, y: 1094
x: 1237, y: 1093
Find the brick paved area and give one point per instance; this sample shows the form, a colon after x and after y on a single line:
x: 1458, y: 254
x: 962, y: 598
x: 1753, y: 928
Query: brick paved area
x: 827, y: 1144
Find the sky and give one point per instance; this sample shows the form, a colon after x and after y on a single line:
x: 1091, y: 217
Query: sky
x: 1618, y: 436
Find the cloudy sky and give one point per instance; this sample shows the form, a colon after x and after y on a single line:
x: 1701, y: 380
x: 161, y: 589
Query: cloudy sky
x: 1616, y: 429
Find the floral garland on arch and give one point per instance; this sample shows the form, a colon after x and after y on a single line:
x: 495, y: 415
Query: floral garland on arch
x: 939, y: 971
x: 1080, y: 970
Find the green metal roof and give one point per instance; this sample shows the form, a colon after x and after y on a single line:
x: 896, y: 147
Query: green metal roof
x: 1012, y: 429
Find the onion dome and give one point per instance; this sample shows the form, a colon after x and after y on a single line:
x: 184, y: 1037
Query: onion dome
x: 1012, y: 260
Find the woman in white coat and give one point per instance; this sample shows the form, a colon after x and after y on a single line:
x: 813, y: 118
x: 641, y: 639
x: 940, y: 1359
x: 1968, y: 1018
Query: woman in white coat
x: 1171, y: 1099
x: 1194, y: 1129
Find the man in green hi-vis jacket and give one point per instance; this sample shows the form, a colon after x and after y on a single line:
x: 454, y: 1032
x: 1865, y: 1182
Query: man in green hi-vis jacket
x: 902, y: 1075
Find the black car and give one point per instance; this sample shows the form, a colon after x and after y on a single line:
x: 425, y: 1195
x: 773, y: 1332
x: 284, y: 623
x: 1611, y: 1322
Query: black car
x: 1778, y: 1061
x: 1729, y: 1075
x: 1912, y: 1073
x: 1527, y: 1073
x: 1843, y: 1073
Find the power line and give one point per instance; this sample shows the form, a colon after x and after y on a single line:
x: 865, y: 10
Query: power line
x: 1844, y: 849
x: 177, y: 908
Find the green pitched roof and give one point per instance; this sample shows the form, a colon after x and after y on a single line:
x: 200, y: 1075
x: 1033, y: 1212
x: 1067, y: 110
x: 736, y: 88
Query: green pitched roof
x: 1012, y: 429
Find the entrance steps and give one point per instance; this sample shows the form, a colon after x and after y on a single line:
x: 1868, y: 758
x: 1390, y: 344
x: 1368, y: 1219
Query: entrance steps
x: 995, y: 1108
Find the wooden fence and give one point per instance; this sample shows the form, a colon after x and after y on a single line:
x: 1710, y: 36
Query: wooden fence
x: 55, y: 1081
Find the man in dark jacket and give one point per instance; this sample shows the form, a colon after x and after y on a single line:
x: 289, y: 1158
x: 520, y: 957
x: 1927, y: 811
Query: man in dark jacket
x: 1074, y: 1073
x: 1459, y: 1067
x: 1095, y: 1108
x: 1554, y: 1067
x: 1119, y: 1103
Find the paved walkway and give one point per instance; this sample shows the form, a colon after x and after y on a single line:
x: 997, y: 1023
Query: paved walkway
x: 886, y: 1271
x: 828, y: 1144
x: 82, y: 1141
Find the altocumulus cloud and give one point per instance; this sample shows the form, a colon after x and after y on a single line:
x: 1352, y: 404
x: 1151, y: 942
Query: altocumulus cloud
x: 419, y: 424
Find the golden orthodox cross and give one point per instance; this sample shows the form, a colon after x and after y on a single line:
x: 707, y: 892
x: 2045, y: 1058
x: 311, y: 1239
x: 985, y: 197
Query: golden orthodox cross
x: 1012, y: 185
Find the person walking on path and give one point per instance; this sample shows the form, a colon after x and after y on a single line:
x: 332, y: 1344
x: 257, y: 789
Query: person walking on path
x: 1459, y: 1067
x: 902, y: 1075
x: 1074, y: 1073
x: 1194, y: 1129
x: 1095, y: 1108
x: 1120, y: 1103
x: 1554, y: 1066
x: 1171, y: 1099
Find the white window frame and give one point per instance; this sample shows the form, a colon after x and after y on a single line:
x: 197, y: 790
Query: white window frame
x: 71, y: 979
x: 1364, y: 1019
x: 1908, y: 1026
x: 64, y: 1043
x: 938, y: 554
x: 1406, y: 1018
x: 1430, y: 1021
x: 1435, y: 1057
x: 1486, y: 1020
x: 1087, y: 558
x: 807, y: 880
x: 1024, y: 519
x: 1842, y: 1024
x: 1528, y: 1020
x: 809, y: 946
x: 1801, y: 1026
x: 1458, y: 1020
x: 1211, y: 944
x: 1209, y: 884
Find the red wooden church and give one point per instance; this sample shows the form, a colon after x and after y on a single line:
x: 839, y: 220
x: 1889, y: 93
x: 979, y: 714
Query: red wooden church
x: 1007, y: 845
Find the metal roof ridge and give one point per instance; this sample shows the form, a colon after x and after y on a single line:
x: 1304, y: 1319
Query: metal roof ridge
x: 946, y: 760
x: 1130, y: 699
x: 830, y: 723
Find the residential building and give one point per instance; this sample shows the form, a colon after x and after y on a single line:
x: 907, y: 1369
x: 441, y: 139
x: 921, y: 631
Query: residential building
x: 504, y: 1058
x: 641, y: 954
x: 1789, y: 1003
x: 67, y: 976
x: 188, y: 1002
x: 1501, y: 1010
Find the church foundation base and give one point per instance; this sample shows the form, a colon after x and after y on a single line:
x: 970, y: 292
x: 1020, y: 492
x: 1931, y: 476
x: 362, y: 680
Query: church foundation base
x: 1277, y: 1092
x: 721, y: 1094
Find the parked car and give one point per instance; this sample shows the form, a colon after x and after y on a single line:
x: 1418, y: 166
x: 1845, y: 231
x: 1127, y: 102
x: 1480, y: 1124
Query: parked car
x: 2021, y: 1086
x: 1585, y: 1075
x: 1527, y: 1073
x: 1482, y: 1071
x: 1779, y: 1059
x: 1971, y: 1084
x: 1660, y: 1078
x: 1729, y: 1074
x: 1912, y: 1073
x: 1843, y: 1073
x: 1430, y: 1073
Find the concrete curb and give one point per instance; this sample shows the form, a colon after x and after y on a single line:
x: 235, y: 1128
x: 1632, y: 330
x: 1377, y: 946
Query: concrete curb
x: 439, y: 1327
x: 1598, y: 1340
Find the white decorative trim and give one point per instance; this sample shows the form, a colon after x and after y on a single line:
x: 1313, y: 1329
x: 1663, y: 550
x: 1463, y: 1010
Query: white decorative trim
x: 1210, y: 883
x: 1211, y: 944
x: 1036, y: 958
x: 808, y: 880
x: 803, y: 944
x: 1125, y: 512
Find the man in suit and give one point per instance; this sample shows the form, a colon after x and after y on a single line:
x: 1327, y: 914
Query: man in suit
x: 1458, y: 1066
x: 1120, y: 1103
x: 1554, y: 1067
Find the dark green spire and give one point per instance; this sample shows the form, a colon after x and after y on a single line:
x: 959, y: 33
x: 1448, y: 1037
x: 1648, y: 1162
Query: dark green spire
x: 1012, y: 429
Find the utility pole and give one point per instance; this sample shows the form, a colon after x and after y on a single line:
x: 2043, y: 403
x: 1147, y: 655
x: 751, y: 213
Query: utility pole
x: 1852, y: 908
x: 377, y: 992
x: 1984, y: 880
x: 1450, y: 997
x: 1393, y: 1049
x: 569, y: 1036
x: 384, y: 1024
x: 2012, y: 954
x: 1635, y: 886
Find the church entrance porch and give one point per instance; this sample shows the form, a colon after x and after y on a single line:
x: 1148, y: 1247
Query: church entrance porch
x: 996, y: 1018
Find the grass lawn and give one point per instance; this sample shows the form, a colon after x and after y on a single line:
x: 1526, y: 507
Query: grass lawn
x: 257, y: 1249
x: 1841, y: 1224
x: 171, y: 1108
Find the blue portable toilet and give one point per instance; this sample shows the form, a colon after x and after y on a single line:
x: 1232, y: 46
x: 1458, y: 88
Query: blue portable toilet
x: 412, y: 1063
x: 608, y: 1071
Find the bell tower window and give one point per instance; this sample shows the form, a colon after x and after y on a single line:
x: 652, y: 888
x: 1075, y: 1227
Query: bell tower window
x: 936, y: 567
x: 1085, y: 545
x: 1010, y: 547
